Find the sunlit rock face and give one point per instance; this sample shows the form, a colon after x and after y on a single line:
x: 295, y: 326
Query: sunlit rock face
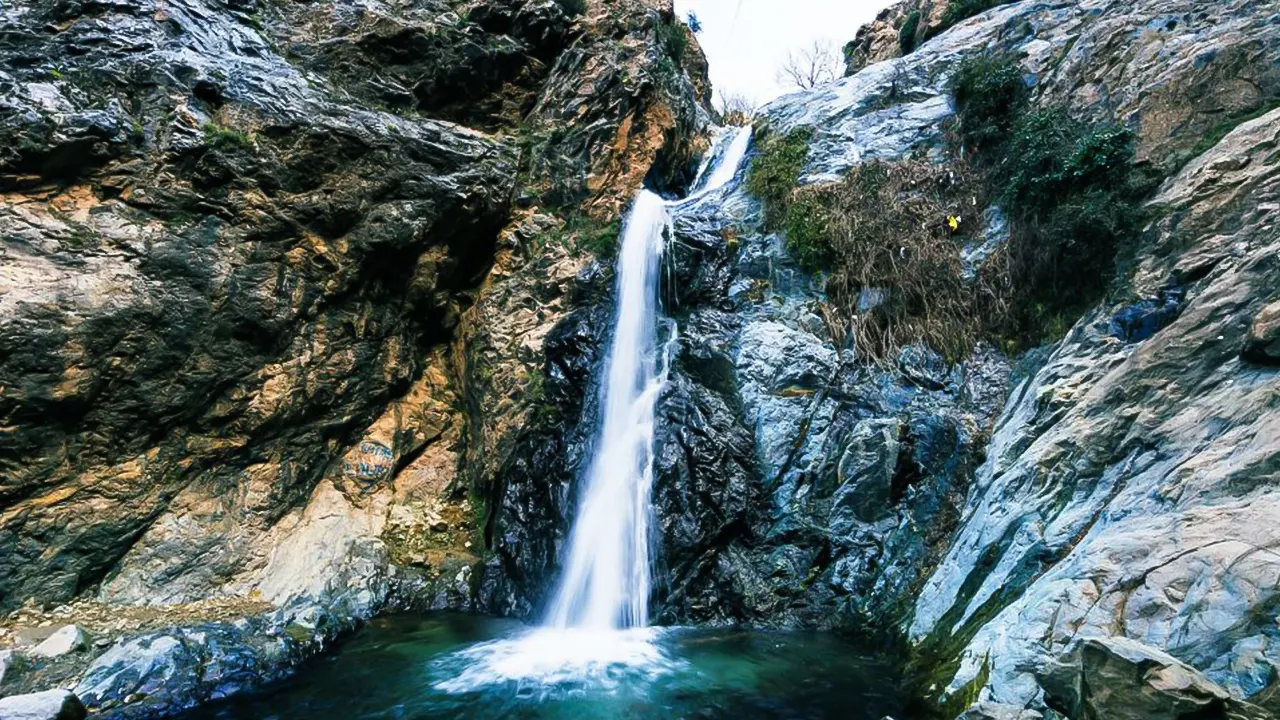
x: 266, y: 292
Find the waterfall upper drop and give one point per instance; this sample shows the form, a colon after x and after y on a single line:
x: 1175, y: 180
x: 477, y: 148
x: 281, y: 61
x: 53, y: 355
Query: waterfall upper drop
x: 606, y: 578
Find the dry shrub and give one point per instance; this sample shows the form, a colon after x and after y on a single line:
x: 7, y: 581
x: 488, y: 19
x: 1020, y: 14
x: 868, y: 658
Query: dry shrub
x: 896, y: 277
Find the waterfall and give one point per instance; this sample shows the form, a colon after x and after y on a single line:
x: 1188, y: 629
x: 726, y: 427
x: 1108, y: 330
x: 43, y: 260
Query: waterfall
x: 596, y: 621
x: 606, y: 578
x: 605, y: 584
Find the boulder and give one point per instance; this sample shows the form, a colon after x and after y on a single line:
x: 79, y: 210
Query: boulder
x: 64, y: 641
x: 1119, y: 678
x: 1262, y: 345
x: 47, y: 705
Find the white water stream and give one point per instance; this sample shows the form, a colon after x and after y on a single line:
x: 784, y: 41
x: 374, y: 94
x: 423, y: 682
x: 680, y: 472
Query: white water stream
x: 598, y: 615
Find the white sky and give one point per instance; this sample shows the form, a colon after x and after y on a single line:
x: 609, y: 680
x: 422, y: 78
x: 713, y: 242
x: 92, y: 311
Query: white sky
x: 748, y: 40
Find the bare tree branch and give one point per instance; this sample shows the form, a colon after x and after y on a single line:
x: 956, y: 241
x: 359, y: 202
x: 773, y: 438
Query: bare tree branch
x: 736, y: 109
x: 812, y: 66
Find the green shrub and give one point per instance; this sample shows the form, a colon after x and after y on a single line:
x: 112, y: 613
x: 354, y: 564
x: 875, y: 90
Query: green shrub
x: 223, y: 138
x: 1076, y: 199
x: 775, y: 172
x: 673, y: 38
x: 1071, y: 189
x: 807, y: 233
x: 907, y: 33
x: 989, y: 92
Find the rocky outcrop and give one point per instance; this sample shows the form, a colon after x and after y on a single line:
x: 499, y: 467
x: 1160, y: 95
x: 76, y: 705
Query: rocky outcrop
x: 1107, y: 505
x: 1125, y: 487
x: 1126, y: 680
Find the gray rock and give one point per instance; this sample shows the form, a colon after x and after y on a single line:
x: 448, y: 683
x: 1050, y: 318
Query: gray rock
x: 865, y: 472
x: 11, y: 663
x: 47, y: 705
x: 64, y: 641
x: 994, y: 235
x: 1122, y: 679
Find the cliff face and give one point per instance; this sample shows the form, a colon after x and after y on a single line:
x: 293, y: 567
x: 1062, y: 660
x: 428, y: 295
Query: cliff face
x: 249, y: 251
x: 1126, y: 484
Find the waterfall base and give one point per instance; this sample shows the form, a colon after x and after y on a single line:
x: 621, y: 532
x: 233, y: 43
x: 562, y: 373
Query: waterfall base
x: 445, y: 666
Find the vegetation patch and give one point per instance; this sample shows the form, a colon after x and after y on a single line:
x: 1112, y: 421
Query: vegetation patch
x: 775, y: 171
x: 225, y: 138
x: 907, y: 33
x: 1072, y: 191
x: 673, y: 38
x: 889, y: 236
x: 580, y: 234
x: 989, y: 93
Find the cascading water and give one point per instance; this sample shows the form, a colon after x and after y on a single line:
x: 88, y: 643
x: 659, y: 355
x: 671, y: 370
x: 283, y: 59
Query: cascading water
x: 606, y: 578
x: 598, y: 615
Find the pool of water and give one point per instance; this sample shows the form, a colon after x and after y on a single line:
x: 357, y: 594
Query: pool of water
x: 442, y: 666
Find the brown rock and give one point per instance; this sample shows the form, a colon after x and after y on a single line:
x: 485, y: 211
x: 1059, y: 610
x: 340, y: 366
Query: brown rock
x: 1262, y: 345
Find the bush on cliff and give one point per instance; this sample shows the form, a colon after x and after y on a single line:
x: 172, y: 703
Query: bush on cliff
x: 889, y: 235
x: 881, y: 234
x: 989, y: 93
x: 1072, y: 191
x: 907, y: 33
x: 775, y: 171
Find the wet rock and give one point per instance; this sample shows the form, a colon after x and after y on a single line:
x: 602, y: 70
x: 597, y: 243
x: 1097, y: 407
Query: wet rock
x: 993, y: 235
x: 67, y: 639
x: 169, y: 671
x: 48, y: 705
x: 866, y: 471
x: 1262, y: 345
x: 924, y: 367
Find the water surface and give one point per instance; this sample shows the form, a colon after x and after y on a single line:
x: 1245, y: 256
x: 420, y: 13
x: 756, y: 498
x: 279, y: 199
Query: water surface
x: 445, y: 666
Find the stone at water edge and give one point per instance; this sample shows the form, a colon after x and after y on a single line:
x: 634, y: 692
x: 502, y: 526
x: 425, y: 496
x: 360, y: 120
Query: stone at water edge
x: 47, y: 705
x: 1119, y: 678
x: 66, y: 640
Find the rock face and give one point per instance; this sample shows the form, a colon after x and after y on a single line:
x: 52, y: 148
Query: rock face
x: 1128, y: 482
x: 241, y: 242
x: 1107, y: 505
